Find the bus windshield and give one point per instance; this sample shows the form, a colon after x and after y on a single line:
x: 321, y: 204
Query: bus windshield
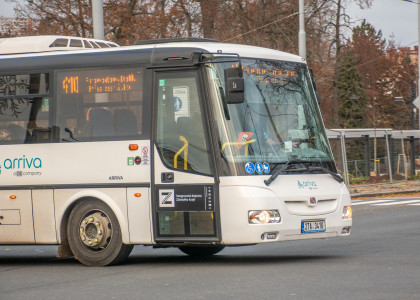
x: 278, y: 122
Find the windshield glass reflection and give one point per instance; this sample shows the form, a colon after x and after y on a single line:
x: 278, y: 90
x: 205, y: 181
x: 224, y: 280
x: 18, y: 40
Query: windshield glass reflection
x: 278, y: 121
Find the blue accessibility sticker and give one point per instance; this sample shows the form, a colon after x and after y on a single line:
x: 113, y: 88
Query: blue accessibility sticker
x: 177, y: 104
x: 250, y: 168
x: 259, y: 168
x: 266, y: 168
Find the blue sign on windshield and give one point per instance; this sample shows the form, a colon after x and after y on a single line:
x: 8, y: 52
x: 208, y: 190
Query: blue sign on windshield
x: 266, y: 168
x: 259, y: 168
x: 250, y: 168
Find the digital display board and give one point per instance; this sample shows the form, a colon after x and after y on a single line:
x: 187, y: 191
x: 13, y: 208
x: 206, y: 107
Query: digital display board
x: 96, y: 82
x: 268, y: 74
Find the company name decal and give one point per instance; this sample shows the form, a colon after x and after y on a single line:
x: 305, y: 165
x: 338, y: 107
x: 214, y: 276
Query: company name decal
x: 311, y: 185
x: 22, y: 166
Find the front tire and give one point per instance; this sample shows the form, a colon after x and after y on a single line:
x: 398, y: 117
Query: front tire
x: 94, y: 234
x: 201, y: 251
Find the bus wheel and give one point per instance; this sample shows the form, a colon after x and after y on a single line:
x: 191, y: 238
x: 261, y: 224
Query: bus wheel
x: 201, y: 251
x: 94, y: 234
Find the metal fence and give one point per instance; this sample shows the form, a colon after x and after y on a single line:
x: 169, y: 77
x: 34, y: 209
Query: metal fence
x: 379, y: 155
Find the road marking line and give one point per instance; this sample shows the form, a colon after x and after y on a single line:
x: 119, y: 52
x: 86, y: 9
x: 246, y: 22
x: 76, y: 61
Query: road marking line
x: 398, y: 202
x: 371, y: 201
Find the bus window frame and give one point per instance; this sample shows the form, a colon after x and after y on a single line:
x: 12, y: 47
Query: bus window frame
x: 204, y: 107
x: 144, y: 103
x: 50, y: 95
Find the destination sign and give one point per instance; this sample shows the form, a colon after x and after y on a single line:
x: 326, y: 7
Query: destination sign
x: 99, y: 82
x: 269, y: 74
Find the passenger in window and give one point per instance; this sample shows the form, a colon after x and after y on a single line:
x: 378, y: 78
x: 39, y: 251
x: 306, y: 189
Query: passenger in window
x: 5, y: 134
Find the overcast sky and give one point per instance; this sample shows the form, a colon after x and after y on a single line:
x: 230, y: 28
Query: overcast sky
x: 395, y: 18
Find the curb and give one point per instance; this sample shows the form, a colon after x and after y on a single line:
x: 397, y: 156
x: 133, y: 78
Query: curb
x: 376, y: 194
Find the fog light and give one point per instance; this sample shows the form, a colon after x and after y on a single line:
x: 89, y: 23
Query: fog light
x: 345, y: 230
x: 263, y: 216
x: 347, y: 212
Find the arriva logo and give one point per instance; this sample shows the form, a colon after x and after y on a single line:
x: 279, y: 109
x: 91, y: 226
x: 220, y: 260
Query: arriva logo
x: 21, y: 163
x: 307, y: 184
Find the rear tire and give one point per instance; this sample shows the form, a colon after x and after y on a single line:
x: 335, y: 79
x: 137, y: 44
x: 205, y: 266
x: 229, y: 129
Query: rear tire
x: 201, y: 251
x: 94, y: 234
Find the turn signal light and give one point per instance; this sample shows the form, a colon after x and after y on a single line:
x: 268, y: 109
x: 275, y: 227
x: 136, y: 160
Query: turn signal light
x: 137, y: 195
x: 133, y: 147
x: 12, y: 196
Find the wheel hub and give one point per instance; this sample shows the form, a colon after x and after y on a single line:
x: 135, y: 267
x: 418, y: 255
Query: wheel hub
x: 95, y: 230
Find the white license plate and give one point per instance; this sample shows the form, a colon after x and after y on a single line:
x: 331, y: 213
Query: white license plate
x: 313, y: 226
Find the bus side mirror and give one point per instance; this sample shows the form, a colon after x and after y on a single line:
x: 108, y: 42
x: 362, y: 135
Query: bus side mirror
x: 234, y: 84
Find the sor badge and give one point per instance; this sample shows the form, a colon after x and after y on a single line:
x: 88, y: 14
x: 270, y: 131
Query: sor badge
x: 312, y: 201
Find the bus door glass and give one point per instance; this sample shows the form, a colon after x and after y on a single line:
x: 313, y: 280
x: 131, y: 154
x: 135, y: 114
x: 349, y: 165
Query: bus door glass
x: 184, y: 193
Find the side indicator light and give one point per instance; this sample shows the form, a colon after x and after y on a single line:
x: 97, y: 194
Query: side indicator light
x: 12, y: 196
x: 137, y: 195
x: 133, y: 147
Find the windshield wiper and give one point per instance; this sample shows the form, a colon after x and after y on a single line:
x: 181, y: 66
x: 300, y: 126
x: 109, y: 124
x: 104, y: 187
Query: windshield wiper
x: 283, y: 169
x: 336, y: 176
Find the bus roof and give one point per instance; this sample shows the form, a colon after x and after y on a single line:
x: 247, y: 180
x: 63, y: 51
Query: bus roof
x: 219, y: 47
x: 48, y: 43
x: 153, y: 53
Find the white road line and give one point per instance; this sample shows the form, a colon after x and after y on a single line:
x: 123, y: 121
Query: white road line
x: 398, y: 202
x: 371, y: 201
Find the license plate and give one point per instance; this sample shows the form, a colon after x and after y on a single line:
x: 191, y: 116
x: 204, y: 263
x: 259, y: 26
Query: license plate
x: 313, y: 226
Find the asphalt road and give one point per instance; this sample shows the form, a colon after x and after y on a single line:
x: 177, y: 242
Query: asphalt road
x: 380, y: 260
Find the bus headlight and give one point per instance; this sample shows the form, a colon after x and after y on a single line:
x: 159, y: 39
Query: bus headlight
x: 347, y: 212
x: 263, y: 216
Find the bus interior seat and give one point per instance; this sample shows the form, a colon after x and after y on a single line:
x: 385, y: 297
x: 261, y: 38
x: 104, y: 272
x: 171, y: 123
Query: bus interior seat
x: 19, y: 134
x: 41, y: 135
x: 195, y: 137
x: 125, y: 122
x: 101, y: 122
x: 184, y: 125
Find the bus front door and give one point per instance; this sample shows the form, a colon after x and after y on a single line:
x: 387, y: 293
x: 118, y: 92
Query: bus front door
x: 185, y: 204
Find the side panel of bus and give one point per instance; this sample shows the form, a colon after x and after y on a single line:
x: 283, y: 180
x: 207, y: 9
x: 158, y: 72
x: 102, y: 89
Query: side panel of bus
x: 70, y: 135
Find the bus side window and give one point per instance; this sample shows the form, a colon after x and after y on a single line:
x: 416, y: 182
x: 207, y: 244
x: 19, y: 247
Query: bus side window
x: 24, y: 107
x: 180, y: 130
x: 100, y: 104
x: 23, y: 120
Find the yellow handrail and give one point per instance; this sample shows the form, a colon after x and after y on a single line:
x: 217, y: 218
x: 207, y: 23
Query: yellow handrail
x: 184, y: 148
x: 239, y: 144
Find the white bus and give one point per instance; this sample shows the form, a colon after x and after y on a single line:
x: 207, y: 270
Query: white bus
x: 183, y: 143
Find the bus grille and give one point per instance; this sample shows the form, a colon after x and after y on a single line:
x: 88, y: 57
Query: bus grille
x: 305, y: 207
